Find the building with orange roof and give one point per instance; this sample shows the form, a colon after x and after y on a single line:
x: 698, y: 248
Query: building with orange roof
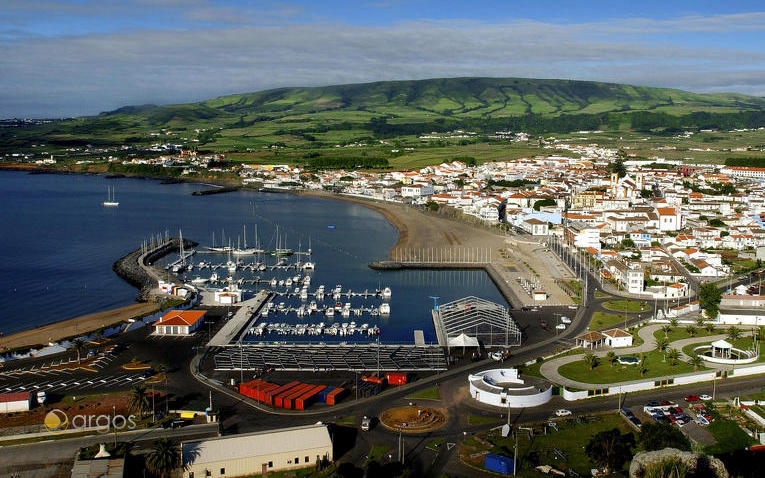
x: 179, y: 322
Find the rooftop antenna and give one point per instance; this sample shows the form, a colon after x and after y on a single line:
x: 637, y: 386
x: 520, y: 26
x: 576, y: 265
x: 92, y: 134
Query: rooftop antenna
x: 435, y: 301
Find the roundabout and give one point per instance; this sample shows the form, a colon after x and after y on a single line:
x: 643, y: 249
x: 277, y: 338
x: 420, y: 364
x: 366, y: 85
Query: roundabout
x: 413, y: 419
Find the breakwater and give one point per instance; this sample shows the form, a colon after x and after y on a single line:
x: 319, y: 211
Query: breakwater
x: 136, y: 267
x: 221, y: 190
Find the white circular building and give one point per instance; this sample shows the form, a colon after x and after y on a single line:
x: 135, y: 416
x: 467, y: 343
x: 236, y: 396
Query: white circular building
x: 503, y: 388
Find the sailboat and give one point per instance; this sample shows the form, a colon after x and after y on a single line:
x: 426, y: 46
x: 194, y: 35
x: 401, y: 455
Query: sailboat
x: 110, y: 198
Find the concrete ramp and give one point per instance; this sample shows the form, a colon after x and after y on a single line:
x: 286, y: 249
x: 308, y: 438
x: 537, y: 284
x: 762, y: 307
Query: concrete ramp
x: 231, y: 330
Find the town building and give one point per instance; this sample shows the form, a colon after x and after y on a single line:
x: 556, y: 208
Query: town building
x: 257, y: 453
x: 16, y: 402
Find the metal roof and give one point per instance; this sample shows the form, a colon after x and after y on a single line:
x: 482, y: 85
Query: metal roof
x: 256, y: 444
x: 478, y: 318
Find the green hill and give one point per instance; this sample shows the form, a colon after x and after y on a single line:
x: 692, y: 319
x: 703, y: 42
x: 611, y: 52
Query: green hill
x: 312, y: 117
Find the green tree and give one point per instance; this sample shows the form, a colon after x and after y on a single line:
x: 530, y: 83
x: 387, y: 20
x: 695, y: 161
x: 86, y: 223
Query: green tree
x: 666, y: 328
x: 700, y: 321
x: 642, y: 368
x: 591, y: 360
x: 690, y: 330
x: 617, y: 166
x: 164, y: 457
x: 709, y: 299
x: 611, y: 357
x: 673, y: 355
x: 627, y: 242
x: 696, y: 361
x: 734, y: 333
x: 662, y: 343
x: 657, y: 436
x: 610, y: 449
x: 544, y: 203
x: 139, y: 401
x: 673, y: 322
x: 709, y: 327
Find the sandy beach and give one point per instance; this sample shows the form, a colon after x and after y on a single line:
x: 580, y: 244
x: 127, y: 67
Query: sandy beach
x: 78, y: 325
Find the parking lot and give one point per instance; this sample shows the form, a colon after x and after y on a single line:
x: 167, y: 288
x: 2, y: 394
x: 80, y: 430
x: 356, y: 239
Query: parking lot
x: 690, y: 417
x: 68, y: 381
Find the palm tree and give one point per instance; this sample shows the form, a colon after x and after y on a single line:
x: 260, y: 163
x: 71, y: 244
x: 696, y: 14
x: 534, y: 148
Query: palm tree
x: 164, y: 457
x: 673, y: 322
x: 611, y: 357
x: 696, y: 361
x: 691, y: 330
x: 709, y: 326
x: 734, y: 333
x: 641, y: 366
x: 591, y: 360
x: 80, y: 348
x: 666, y: 328
x: 139, y: 401
x: 700, y: 321
x: 673, y: 355
x: 662, y: 343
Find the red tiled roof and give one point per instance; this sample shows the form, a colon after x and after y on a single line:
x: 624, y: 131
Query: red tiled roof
x: 14, y: 397
x: 181, y: 317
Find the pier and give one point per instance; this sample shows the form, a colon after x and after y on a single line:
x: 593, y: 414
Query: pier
x: 244, y: 318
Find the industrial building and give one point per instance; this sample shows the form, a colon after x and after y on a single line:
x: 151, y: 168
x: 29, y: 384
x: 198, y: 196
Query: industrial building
x: 469, y: 321
x: 257, y: 453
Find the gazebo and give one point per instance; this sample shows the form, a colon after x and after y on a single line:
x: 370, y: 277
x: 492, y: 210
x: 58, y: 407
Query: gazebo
x: 724, y: 348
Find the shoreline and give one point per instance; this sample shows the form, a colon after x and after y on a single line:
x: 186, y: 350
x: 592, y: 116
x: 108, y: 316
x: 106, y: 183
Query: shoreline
x: 83, y: 324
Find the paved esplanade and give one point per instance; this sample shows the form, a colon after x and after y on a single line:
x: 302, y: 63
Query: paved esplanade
x: 230, y: 329
x: 549, y: 369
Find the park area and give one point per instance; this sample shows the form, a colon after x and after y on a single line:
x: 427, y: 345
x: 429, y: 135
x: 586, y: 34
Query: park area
x: 655, y: 364
x: 560, y: 446
x: 626, y: 306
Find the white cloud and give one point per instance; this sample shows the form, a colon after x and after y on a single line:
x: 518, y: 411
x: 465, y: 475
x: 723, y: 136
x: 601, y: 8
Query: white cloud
x: 92, y: 73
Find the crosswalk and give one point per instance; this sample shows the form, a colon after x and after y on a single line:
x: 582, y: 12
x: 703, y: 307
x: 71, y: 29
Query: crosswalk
x: 66, y: 381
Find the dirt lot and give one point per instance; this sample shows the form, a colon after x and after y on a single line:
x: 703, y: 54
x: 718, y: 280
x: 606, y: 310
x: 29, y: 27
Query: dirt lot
x: 414, y: 419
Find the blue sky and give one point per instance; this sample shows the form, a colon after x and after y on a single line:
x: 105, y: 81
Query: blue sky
x: 64, y: 58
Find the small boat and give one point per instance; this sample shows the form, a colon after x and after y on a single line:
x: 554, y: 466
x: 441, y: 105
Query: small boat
x: 111, y: 201
x: 385, y: 309
x: 386, y: 293
x: 199, y: 280
x: 331, y: 226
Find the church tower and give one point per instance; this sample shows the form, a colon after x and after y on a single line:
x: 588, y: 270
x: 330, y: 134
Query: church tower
x: 614, y: 184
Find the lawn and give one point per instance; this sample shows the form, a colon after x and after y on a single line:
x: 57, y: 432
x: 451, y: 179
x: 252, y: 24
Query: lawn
x: 605, y: 373
x: 729, y: 437
x: 629, y: 305
x: 601, y: 295
x: 426, y: 394
x: 377, y: 452
x: 604, y: 320
x: 482, y: 420
x: 679, y: 333
x: 349, y: 420
x: 569, y: 440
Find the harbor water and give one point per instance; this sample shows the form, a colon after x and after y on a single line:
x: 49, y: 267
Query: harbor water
x: 58, y: 244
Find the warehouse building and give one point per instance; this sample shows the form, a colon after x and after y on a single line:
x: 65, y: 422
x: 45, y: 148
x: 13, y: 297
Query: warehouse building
x: 257, y: 453
x: 179, y: 322
x: 15, y: 402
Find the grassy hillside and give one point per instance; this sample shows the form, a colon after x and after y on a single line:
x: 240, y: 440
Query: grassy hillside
x: 314, y: 118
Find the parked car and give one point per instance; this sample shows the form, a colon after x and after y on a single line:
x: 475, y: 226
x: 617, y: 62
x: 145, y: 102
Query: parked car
x: 705, y: 397
x: 627, y: 412
x: 636, y: 421
x: 366, y: 423
x: 562, y: 412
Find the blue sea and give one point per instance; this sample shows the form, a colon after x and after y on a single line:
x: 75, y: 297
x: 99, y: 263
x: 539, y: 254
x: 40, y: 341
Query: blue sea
x: 58, y: 243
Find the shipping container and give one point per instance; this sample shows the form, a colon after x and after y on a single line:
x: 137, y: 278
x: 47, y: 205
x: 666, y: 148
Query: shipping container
x: 372, y: 379
x: 305, y: 400
x: 254, y: 387
x: 322, y: 397
x: 335, y: 395
x: 395, y: 378
x: 498, y: 464
x: 268, y: 397
x: 288, y: 399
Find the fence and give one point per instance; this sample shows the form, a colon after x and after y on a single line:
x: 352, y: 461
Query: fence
x: 442, y: 255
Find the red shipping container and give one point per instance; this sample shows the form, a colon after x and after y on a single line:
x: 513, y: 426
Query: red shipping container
x: 269, y: 396
x: 263, y: 390
x: 308, y: 398
x: 396, y: 378
x: 372, y: 378
x: 294, y: 393
x: 335, y: 395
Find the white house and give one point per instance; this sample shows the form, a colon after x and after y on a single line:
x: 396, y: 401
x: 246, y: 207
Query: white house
x: 670, y: 219
x: 416, y: 191
x: 535, y: 227
x: 618, y: 338
x: 179, y: 322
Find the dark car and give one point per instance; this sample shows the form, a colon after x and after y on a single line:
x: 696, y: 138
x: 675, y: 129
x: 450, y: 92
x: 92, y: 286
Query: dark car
x: 636, y: 421
x: 652, y: 404
x: 627, y: 412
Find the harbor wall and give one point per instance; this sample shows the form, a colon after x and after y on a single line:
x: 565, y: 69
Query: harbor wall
x: 490, y: 269
x: 132, y: 271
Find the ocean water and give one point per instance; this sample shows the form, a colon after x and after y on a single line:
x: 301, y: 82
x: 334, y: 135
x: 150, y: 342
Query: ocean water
x: 58, y: 244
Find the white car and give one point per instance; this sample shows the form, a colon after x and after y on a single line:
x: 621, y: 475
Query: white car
x: 705, y: 397
x: 562, y: 412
